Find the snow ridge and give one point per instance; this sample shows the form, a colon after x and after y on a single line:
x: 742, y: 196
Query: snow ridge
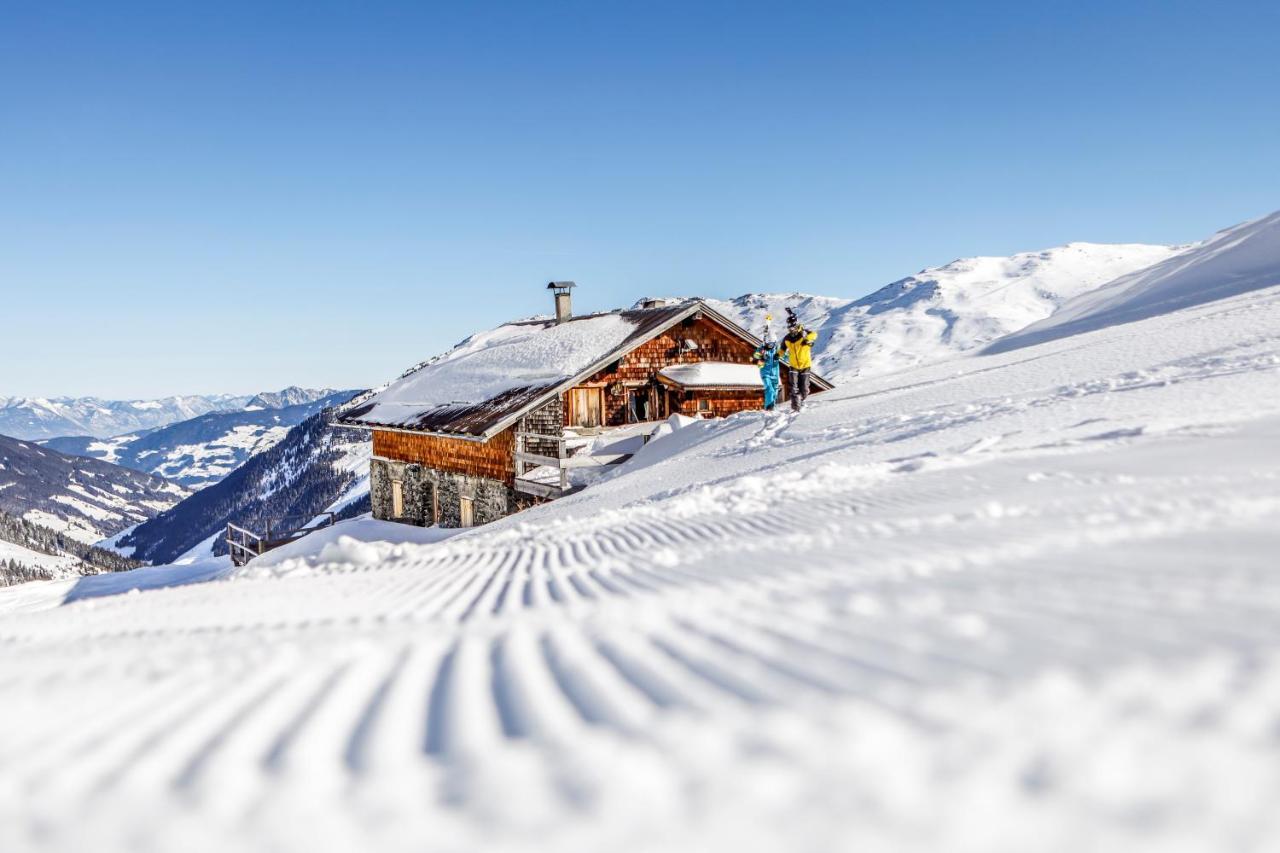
x: 943, y: 311
x: 1235, y: 260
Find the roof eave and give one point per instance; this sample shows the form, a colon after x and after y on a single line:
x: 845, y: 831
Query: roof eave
x: 461, y: 436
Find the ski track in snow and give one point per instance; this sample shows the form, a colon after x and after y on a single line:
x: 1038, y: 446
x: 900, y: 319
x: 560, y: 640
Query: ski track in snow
x: 1016, y: 602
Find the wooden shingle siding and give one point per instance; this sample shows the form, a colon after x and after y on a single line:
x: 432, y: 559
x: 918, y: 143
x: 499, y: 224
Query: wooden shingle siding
x: 546, y: 420
x: 639, y: 366
x: 723, y: 403
x: 493, y: 458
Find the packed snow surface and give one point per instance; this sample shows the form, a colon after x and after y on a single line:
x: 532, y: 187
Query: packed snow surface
x: 1012, y: 602
x: 712, y: 374
x: 515, y: 355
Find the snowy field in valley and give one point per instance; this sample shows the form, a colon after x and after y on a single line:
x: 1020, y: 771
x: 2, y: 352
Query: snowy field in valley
x: 1022, y: 601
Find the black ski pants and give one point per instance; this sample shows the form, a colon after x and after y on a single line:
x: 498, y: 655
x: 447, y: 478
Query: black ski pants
x: 798, y: 385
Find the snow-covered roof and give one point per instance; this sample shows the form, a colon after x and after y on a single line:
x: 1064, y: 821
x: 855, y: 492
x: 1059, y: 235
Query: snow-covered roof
x: 712, y: 374
x: 487, y: 366
x: 490, y: 380
x: 486, y: 382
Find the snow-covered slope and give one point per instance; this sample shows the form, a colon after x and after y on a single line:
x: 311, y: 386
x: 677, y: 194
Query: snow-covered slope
x: 940, y: 312
x: 37, y: 417
x: 86, y: 499
x: 19, y: 564
x: 1233, y: 261
x: 31, y: 552
x: 199, y: 452
x: 1025, y: 601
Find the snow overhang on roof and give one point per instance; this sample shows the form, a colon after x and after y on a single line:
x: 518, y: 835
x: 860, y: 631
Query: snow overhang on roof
x: 712, y: 374
x: 491, y: 380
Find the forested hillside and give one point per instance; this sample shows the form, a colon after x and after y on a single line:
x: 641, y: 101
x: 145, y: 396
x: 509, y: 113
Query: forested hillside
x: 314, y: 466
x: 37, y: 542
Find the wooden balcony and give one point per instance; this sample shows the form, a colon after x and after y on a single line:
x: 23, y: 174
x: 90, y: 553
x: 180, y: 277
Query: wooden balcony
x: 546, y: 476
x: 244, y: 544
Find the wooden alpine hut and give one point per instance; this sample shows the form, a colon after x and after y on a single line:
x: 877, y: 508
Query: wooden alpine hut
x: 507, y: 417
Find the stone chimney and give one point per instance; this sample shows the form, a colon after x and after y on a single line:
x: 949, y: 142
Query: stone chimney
x: 564, y: 299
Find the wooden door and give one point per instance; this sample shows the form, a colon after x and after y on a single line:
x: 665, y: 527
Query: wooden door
x: 397, y: 499
x: 586, y: 407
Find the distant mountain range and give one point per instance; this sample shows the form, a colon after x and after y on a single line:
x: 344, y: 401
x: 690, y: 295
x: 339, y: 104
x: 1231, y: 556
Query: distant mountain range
x: 31, y: 418
x: 317, y: 467
x: 201, y: 451
x: 84, y: 499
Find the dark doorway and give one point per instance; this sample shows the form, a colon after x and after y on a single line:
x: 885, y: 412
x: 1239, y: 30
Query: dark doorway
x: 639, y: 405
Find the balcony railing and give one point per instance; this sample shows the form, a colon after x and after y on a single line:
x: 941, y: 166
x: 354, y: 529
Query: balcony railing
x: 244, y: 544
x: 549, y: 476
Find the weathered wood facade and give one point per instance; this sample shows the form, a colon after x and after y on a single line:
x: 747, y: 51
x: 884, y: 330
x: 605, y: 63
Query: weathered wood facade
x: 492, y: 459
x: 693, y: 340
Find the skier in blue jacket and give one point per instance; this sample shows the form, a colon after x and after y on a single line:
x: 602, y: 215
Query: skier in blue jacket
x: 766, y: 358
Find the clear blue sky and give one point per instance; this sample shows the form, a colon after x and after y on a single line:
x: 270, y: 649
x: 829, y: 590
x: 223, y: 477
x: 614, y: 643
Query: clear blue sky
x: 232, y: 197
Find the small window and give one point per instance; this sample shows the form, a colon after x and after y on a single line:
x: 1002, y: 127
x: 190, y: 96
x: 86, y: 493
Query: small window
x: 466, y: 512
x: 397, y: 499
x: 704, y: 406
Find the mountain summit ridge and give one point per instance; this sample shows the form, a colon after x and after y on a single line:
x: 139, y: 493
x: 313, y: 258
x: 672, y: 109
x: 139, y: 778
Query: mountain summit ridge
x: 943, y: 311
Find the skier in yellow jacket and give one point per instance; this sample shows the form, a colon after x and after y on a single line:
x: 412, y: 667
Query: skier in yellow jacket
x: 797, y: 354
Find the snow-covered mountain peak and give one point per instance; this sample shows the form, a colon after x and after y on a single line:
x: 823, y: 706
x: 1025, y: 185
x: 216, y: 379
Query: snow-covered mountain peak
x: 942, y: 311
x: 1233, y: 261
x: 291, y: 396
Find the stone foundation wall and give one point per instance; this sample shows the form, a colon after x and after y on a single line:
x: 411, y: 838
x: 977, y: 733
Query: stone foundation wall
x: 426, y: 488
x: 490, y: 500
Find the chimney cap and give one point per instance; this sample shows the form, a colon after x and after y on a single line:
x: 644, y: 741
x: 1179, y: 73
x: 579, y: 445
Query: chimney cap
x: 560, y: 285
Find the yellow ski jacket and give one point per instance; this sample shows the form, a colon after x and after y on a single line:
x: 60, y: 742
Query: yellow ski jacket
x: 797, y: 349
